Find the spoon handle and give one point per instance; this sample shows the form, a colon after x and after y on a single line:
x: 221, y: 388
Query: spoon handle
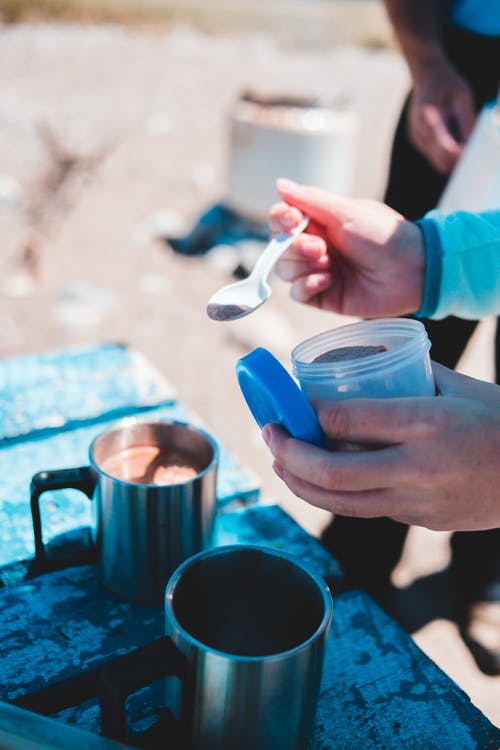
x: 275, y: 250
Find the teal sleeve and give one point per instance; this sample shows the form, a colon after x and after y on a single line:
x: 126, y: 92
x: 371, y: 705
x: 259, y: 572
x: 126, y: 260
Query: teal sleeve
x: 433, y: 268
x: 462, y: 264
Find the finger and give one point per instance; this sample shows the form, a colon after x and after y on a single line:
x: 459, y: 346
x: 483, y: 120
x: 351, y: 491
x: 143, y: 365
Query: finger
x: 311, y: 289
x: 289, y: 270
x: 464, y: 117
x: 442, y: 161
x: 367, y: 504
x: 341, y: 470
x: 447, y: 381
x: 379, y: 421
x: 405, y: 506
x: 322, y: 206
x: 308, y: 244
x: 451, y: 383
x: 443, y: 147
x: 283, y: 217
x: 306, y: 247
x: 308, y: 250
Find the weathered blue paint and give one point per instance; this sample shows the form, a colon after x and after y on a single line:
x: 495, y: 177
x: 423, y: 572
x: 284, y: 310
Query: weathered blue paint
x: 40, y: 393
x: 69, y: 397
x: 379, y: 690
x: 270, y: 525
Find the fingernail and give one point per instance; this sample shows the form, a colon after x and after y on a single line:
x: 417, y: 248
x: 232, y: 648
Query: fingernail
x: 286, y: 185
x: 278, y: 469
x: 311, y: 249
x: 266, y: 434
x: 289, y: 220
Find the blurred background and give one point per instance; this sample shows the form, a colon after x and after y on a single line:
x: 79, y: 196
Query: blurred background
x: 139, y: 143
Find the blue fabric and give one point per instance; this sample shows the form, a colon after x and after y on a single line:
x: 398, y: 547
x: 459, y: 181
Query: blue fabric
x: 478, y: 16
x: 463, y: 264
x: 433, y: 270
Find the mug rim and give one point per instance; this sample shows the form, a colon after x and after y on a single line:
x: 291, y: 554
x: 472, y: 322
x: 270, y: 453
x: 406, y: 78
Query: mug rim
x: 316, y: 579
x: 133, y: 421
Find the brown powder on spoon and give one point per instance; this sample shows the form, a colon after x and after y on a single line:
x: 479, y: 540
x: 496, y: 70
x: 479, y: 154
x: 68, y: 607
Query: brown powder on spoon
x: 226, y: 312
x: 346, y: 353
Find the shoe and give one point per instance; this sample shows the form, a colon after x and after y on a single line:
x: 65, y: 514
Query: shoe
x: 480, y: 630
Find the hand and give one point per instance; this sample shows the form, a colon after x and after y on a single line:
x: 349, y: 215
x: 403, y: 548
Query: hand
x: 441, y: 116
x: 438, y: 468
x: 357, y: 257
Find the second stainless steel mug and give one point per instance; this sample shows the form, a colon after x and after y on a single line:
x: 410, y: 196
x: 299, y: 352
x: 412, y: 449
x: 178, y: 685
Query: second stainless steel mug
x: 145, y: 525
x: 246, y: 631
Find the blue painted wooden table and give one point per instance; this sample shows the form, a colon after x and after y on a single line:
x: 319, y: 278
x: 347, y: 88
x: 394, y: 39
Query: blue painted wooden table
x: 379, y: 690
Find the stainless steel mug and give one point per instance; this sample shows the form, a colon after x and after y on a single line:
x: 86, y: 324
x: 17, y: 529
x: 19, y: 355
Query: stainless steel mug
x: 142, y: 530
x: 246, y: 628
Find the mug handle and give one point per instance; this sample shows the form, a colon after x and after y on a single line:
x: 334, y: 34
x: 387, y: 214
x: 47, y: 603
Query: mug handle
x: 81, y: 478
x: 123, y: 676
x: 112, y: 683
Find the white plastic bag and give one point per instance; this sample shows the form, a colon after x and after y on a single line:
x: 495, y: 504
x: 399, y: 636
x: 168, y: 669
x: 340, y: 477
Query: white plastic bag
x: 474, y: 184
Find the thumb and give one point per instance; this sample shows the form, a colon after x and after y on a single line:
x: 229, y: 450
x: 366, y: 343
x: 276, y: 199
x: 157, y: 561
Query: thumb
x: 451, y: 383
x: 447, y: 381
x: 379, y: 421
x: 465, y: 121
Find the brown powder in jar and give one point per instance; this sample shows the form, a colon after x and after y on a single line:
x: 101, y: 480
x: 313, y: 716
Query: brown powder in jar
x: 345, y: 353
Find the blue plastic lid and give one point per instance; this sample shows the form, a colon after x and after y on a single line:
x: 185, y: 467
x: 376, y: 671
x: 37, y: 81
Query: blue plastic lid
x: 273, y: 396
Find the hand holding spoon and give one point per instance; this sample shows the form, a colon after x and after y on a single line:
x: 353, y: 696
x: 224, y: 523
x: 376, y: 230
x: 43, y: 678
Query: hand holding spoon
x: 243, y: 297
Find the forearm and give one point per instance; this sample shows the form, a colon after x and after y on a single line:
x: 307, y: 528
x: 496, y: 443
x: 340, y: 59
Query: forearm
x: 418, y: 26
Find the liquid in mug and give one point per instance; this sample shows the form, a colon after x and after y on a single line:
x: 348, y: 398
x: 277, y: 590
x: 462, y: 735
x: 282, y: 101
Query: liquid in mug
x: 151, y: 464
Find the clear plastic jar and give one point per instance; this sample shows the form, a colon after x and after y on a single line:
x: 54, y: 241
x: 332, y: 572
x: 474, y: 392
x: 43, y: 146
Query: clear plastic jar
x: 404, y: 369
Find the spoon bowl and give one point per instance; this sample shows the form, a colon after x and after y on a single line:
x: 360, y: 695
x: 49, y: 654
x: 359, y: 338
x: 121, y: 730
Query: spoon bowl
x: 240, y: 298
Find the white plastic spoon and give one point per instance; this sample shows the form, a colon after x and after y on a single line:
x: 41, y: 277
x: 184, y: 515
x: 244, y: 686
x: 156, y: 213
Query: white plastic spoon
x: 243, y: 297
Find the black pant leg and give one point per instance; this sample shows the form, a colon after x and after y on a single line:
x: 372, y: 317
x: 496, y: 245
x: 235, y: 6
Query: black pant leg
x: 413, y: 186
x: 448, y: 338
x: 476, y: 554
x: 367, y: 549
x: 476, y: 564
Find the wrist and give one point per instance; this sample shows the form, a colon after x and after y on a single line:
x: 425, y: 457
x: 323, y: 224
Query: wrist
x: 430, y: 64
x: 432, y: 268
x: 415, y: 262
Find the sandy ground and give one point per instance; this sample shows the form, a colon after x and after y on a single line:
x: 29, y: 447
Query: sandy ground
x: 111, y: 139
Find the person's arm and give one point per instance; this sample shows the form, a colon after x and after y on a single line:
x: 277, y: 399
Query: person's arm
x: 418, y: 29
x: 438, y: 468
x: 441, y: 111
x: 356, y: 257
x: 362, y: 258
